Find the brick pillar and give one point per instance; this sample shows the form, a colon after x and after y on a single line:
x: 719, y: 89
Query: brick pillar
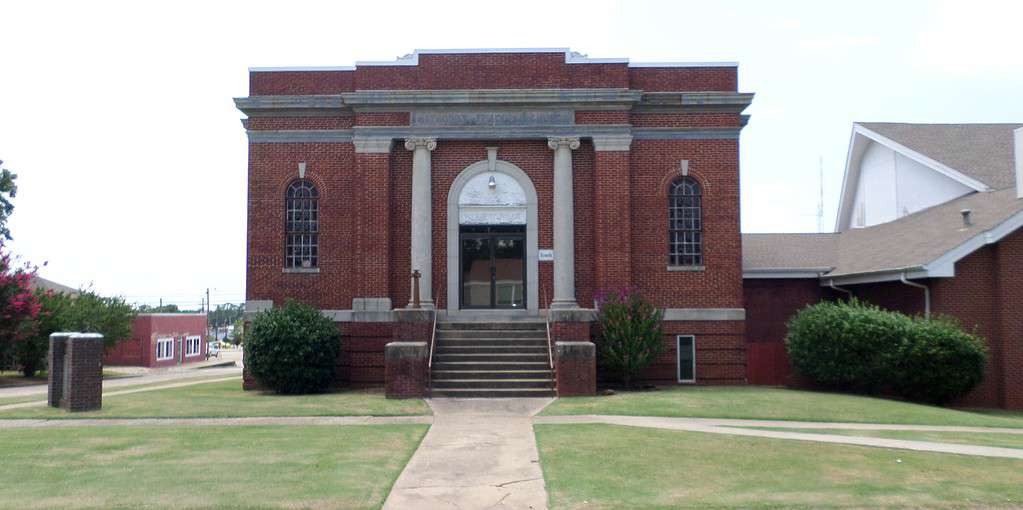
x: 406, y: 373
x: 1010, y: 331
x: 55, y: 374
x: 372, y: 161
x: 575, y: 366
x: 612, y: 212
x: 83, y: 373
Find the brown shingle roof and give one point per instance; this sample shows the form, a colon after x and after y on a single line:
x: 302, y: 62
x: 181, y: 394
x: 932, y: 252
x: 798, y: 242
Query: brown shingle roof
x: 42, y: 283
x: 981, y: 151
x: 910, y: 242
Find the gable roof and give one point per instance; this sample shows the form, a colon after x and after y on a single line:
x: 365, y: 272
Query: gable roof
x: 924, y: 244
x: 981, y: 151
x: 39, y: 282
x: 979, y: 156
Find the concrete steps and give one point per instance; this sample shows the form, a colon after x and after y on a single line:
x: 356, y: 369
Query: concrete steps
x: 491, y: 360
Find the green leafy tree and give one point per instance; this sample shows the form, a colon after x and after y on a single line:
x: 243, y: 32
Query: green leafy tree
x: 630, y: 333
x: 8, y: 189
x: 30, y: 353
x: 92, y: 313
x: 169, y: 308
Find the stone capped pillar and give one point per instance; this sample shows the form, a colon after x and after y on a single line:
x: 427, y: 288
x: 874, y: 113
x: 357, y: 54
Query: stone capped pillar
x: 612, y: 228
x: 422, y: 216
x: 564, y: 222
x: 372, y: 162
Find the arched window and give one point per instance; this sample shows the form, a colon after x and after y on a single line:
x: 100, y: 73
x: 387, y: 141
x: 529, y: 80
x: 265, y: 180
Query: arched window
x: 302, y: 225
x: 685, y: 223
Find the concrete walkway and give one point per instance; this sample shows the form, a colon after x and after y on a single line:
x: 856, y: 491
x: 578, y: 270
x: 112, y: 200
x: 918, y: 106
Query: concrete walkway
x: 731, y: 427
x: 479, y: 453
x: 189, y: 382
x: 155, y: 376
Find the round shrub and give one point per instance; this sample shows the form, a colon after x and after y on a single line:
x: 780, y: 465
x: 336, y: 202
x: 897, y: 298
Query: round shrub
x: 860, y: 347
x: 845, y: 346
x: 939, y: 362
x: 292, y: 349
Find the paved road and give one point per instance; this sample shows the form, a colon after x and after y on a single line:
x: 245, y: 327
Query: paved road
x: 479, y: 453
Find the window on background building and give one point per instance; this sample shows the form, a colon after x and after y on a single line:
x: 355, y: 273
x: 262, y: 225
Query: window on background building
x: 686, y: 358
x: 192, y: 346
x: 164, y: 348
x: 685, y: 223
x: 302, y: 222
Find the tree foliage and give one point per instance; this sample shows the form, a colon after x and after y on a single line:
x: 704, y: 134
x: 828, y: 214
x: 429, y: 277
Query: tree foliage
x: 292, y: 349
x: 8, y: 189
x: 860, y: 347
x: 18, y: 305
x: 630, y: 333
x: 89, y: 312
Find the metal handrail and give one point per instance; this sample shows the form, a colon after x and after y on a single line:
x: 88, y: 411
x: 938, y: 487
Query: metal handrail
x: 433, y: 333
x: 547, y: 320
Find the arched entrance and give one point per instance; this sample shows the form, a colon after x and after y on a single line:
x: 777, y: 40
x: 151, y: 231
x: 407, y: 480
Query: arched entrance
x: 492, y: 239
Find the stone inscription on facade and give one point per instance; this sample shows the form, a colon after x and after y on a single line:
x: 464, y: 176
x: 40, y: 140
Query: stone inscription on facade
x: 493, y: 119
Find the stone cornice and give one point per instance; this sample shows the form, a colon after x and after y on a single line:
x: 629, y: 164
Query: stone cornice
x: 606, y: 137
x: 683, y: 102
x: 577, y: 99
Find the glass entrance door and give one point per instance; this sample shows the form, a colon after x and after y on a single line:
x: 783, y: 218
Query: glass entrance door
x: 493, y: 261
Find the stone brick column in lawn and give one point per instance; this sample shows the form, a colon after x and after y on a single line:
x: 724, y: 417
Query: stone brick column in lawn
x: 82, y: 374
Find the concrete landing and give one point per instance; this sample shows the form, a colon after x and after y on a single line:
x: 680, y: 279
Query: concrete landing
x: 479, y: 453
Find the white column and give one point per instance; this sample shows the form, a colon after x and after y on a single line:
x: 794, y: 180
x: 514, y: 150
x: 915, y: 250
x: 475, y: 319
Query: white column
x: 422, y: 216
x: 564, y: 222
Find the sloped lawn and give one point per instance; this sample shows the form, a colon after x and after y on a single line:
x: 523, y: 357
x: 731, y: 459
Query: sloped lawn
x: 611, y: 467
x: 226, y: 399
x: 751, y: 402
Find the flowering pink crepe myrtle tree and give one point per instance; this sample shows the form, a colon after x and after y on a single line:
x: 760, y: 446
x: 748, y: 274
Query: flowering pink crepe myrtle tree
x: 630, y: 332
x: 19, y: 305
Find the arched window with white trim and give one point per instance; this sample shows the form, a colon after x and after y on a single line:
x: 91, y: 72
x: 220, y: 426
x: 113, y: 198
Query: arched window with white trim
x: 302, y: 226
x: 685, y: 223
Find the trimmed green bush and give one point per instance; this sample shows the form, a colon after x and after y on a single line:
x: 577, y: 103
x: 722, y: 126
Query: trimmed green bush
x: 293, y: 349
x: 860, y: 347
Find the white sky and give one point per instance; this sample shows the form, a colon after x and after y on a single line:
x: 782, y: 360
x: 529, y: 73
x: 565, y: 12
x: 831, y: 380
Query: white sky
x: 118, y: 119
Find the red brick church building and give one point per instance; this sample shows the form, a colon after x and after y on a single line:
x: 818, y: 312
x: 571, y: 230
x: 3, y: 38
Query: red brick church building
x: 515, y: 182
x: 520, y: 184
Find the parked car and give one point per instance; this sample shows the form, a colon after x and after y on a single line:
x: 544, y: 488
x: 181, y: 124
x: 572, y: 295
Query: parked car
x: 213, y: 350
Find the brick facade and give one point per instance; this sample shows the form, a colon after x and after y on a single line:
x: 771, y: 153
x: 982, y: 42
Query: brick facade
x: 620, y: 192
x: 141, y: 349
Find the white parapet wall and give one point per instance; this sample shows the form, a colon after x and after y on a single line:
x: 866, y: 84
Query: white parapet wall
x: 1018, y: 137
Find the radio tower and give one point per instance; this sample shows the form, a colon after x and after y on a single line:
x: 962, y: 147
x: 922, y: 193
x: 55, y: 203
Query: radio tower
x: 820, y: 196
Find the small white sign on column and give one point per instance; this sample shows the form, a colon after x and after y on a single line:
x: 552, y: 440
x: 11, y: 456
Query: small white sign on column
x: 546, y: 255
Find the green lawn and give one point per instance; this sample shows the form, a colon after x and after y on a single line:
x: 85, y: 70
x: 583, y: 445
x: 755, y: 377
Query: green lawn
x: 42, y: 396
x: 11, y: 378
x: 609, y: 467
x: 975, y: 438
x: 774, y: 404
x: 226, y: 399
x: 204, y: 467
